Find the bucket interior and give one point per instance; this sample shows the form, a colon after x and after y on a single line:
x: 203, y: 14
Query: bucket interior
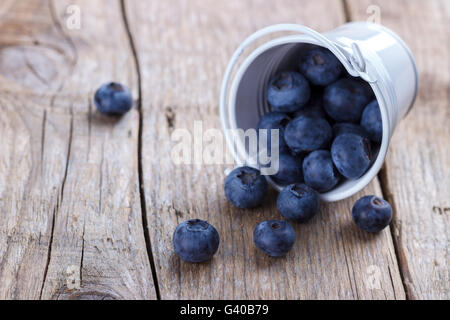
x: 250, y: 104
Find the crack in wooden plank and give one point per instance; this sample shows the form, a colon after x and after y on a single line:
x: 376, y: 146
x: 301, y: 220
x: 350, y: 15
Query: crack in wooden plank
x: 140, y: 133
x: 402, y: 263
x: 49, y: 254
x: 82, y: 254
x: 58, y: 205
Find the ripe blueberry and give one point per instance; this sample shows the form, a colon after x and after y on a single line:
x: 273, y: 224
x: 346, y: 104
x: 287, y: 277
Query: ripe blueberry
x: 288, y: 91
x: 371, y: 121
x: 320, y: 66
x: 319, y: 171
x: 372, y: 213
x: 274, y: 120
x: 289, y: 169
x: 351, y: 154
x: 345, y: 99
x: 245, y: 187
x: 195, y: 240
x: 305, y: 134
x: 298, y: 202
x: 274, y: 237
x: 113, y: 99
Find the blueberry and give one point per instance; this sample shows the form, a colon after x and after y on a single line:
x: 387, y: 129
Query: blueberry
x: 320, y: 66
x: 372, y: 213
x: 274, y: 120
x: 351, y: 154
x: 319, y: 171
x: 305, y: 134
x: 195, y: 240
x: 298, y: 202
x: 245, y: 187
x: 348, y: 127
x: 289, y: 169
x: 345, y: 99
x: 371, y: 121
x: 274, y: 237
x: 113, y: 99
x: 288, y: 92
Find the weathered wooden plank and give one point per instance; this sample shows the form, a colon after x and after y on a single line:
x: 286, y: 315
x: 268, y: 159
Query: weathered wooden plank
x: 70, y: 209
x: 416, y: 176
x: 30, y: 186
x: 183, y: 48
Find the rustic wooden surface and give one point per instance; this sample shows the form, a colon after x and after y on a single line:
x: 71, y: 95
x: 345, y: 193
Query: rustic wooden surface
x: 88, y: 204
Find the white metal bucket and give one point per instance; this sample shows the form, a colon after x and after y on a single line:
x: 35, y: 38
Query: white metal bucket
x: 366, y: 50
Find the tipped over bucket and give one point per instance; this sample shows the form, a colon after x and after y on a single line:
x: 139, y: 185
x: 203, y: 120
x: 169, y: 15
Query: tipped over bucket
x: 366, y: 50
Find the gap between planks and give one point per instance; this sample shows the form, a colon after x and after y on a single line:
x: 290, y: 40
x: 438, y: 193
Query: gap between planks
x: 148, y: 243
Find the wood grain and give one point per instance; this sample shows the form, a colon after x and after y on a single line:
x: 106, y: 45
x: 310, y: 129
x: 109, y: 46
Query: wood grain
x: 416, y: 177
x: 183, y: 48
x: 70, y: 206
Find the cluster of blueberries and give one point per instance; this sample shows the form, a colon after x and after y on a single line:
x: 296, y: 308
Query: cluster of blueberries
x: 329, y: 125
x: 329, y: 130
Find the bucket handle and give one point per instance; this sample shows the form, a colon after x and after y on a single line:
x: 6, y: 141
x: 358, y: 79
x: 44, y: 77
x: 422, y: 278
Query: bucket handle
x: 351, y: 58
x: 353, y: 62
